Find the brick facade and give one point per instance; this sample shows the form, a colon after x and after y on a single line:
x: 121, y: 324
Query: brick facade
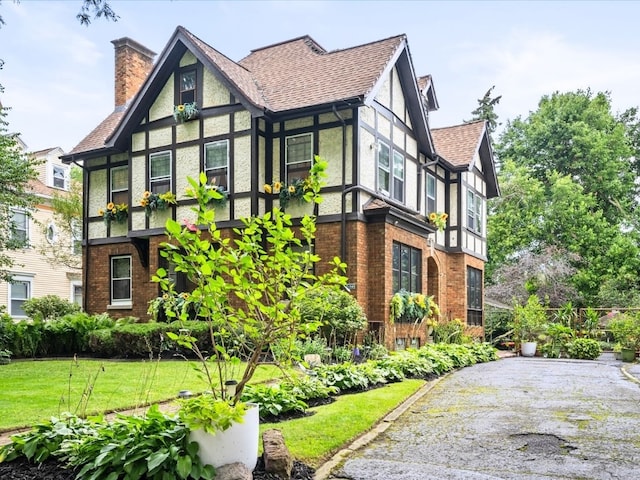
x: 133, y: 62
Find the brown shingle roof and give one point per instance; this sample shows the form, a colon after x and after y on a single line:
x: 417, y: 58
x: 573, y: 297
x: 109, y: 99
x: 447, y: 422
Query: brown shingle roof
x: 299, y: 73
x: 236, y: 73
x: 459, y: 144
x: 96, y: 139
x: 290, y: 75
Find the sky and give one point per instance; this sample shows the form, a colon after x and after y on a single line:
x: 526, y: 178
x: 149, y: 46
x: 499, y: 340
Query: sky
x: 58, y: 75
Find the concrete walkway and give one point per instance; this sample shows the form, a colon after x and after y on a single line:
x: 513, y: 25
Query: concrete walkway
x: 517, y: 418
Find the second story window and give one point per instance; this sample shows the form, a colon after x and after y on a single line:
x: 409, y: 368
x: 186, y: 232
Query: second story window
x: 20, y: 228
x: 120, y: 185
x: 59, y: 177
x: 216, y: 163
x: 431, y: 193
x: 390, y: 172
x: 299, y: 157
x: 188, y: 86
x: 474, y: 212
x: 383, y: 168
x: 160, y: 172
x: 398, y: 177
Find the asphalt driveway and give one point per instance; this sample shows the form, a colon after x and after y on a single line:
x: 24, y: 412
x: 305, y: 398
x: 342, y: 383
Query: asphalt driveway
x: 517, y: 418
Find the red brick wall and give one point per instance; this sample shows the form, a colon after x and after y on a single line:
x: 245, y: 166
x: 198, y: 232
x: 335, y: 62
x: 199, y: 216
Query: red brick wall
x: 133, y: 62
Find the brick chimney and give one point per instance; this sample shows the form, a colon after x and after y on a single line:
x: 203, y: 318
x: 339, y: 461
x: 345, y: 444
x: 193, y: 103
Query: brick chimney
x: 133, y: 64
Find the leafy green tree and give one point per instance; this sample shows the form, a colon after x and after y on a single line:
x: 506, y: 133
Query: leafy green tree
x: 551, y: 237
x: 486, y: 110
x: 16, y: 172
x: 67, y: 216
x: 576, y: 134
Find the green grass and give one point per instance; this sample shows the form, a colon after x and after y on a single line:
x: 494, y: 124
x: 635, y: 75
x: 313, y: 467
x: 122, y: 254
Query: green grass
x: 315, y: 438
x: 34, y: 390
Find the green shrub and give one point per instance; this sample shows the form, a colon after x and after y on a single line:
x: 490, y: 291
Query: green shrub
x: 309, y: 388
x: 374, y: 351
x: 48, y: 307
x: 273, y: 400
x: 460, y: 355
x: 409, y: 363
x: 28, y: 339
x: 341, y: 315
x: 101, y: 343
x: 7, y: 331
x: 441, y: 362
x: 448, y: 331
x: 344, y: 376
x: 155, y: 446
x: 585, y: 349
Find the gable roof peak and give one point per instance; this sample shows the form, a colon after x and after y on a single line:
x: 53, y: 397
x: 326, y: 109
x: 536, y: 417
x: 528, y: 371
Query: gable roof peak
x: 314, y: 46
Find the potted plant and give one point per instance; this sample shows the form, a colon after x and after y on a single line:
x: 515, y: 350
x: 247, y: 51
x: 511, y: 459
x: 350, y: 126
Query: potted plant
x: 625, y: 329
x: 529, y: 323
x: 248, y: 290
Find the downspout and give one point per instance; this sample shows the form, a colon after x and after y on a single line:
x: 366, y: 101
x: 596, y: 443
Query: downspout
x: 343, y: 205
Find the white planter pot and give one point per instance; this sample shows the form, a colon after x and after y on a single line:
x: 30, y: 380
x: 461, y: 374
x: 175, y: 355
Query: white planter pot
x: 238, y: 443
x: 528, y: 349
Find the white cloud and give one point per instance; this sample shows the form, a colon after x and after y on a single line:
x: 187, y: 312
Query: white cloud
x: 530, y: 64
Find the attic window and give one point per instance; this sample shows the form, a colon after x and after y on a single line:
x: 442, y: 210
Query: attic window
x: 188, y: 86
x: 59, y: 177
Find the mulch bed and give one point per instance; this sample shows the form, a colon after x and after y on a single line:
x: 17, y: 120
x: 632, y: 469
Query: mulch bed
x: 21, y: 469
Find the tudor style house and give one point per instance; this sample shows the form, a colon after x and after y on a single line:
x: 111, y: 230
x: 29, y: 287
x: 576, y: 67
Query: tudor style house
x: 32, y: 272
x: 262, y: 119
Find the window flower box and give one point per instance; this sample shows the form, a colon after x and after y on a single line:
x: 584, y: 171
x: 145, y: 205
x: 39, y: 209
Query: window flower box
x: 114, y: 213
x: 157, y: 201
x: 185, y: 112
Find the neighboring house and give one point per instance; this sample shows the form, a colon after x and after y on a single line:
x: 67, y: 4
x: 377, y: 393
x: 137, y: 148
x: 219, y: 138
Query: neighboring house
x: 33, y: 276
x: 262, y: 119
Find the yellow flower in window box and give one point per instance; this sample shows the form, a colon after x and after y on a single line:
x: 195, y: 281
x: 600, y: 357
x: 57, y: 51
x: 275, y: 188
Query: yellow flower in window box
x: 439, y: 219
x: 114, y: 213
x: 185, y: 112
x: 157, y: 201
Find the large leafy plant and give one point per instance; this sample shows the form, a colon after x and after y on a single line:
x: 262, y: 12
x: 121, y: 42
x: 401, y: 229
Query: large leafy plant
x: 246, y: 288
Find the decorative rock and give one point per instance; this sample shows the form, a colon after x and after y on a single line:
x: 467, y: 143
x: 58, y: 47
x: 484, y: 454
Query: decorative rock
x: 234, y: 471
x: 277, y: 458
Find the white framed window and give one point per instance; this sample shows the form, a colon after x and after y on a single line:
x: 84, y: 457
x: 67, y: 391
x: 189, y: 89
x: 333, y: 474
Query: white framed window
x: 299, y: 157
x: 20, y: 228
x: 384, y: 168
x: 20, y: 290
x: 119, y: 180
x: 474, y: 211
x: 76, y: 293
x: 160, y: 172
x: 60, y: 177
x: 216, y: 163
x: 398, y: 177
x: 121, y: 280
x: 51, y: 234
x: 431, y: 193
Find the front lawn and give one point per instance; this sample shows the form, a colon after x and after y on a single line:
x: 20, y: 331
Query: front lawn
x: 34, y: 390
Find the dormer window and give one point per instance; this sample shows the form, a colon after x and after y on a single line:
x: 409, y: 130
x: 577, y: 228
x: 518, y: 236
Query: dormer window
x: 59, y: 177
x: 188, y: 86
